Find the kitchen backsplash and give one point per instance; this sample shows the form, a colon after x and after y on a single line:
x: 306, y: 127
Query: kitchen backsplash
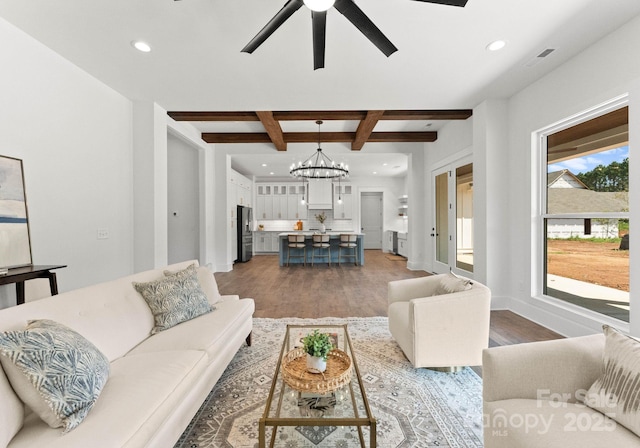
x: 307, y: 224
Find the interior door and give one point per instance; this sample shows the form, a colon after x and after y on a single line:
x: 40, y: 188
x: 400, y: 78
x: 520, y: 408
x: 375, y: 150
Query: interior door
x: 371, y: 219
x: 452, y: 229
x: 442, y: 213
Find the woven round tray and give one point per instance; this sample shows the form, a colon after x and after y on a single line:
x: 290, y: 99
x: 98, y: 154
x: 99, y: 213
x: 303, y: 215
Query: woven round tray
x: 296, y: 375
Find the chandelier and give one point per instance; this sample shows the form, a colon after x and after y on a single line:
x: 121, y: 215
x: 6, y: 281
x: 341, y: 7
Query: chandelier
x: 319, y: 165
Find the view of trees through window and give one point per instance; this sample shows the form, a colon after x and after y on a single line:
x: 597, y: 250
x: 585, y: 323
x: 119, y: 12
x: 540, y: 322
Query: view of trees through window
x: 587, y: 216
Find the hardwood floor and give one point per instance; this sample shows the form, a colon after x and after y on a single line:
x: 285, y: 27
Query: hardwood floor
x: 346, y: 291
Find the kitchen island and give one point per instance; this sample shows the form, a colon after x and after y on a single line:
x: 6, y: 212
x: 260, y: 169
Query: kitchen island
x: 308, y: 240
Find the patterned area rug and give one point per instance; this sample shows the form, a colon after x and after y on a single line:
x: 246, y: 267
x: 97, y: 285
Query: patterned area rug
x: 413, y: 407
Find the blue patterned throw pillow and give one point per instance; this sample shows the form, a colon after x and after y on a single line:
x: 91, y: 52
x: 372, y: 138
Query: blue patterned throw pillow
x: 54, y: 370
x: 175, y: 298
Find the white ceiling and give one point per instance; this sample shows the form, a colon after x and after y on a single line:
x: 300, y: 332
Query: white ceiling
x: 196, y: 63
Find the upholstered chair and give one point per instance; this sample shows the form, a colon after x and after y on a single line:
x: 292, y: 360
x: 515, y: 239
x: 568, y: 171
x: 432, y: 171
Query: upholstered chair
x: 440, y: 321
x: 348, y: 247
x: 321, y: 248
x: 296, y: 243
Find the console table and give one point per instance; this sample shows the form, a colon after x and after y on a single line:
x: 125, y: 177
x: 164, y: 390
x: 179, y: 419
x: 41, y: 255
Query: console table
x: 22, y: 274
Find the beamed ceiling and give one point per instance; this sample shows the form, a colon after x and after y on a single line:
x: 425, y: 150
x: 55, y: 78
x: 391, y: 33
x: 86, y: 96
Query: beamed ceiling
x: 364, y: 132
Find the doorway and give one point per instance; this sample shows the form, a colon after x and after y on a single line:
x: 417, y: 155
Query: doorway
x: 371, y: 219
x: 452, y: 229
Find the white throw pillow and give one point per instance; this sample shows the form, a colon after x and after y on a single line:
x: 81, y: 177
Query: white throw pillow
x: 54, y: 370
x: 617, y: 392
x: 450, y: 283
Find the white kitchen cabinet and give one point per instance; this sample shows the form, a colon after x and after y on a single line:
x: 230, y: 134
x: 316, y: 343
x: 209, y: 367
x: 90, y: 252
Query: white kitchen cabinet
x: 264, y: 209
x: 403, y: 247
x: 320, y: 194
x: 342, y: 210
x: 295, y: 208
x: 264, y: 205
x: 266, y: 242
x: 280, y: 201
x: 234, y: 239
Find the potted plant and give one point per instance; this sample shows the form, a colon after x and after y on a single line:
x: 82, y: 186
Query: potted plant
x: 317, y: 347
x: 322, y: 217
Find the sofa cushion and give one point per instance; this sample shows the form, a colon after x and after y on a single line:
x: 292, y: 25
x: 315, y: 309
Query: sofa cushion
x: 142, y: 394
x: 616, y: 392
x: 57, y: 372
x: 175, y: 298
x: 197, y: 334
x: 451, y: 283
x: 524, y: 423
x: 11, y: 410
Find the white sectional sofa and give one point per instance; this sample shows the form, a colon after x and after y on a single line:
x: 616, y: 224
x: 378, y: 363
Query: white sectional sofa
x: 533, y: 396
x: 156, y: 383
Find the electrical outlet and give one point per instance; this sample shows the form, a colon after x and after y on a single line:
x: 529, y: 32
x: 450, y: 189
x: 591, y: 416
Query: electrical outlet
x: 102, y: 234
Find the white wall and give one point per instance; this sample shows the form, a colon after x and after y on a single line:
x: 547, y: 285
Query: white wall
x: 604, y: 71
x: 183, y: 201
x: 74, y: 136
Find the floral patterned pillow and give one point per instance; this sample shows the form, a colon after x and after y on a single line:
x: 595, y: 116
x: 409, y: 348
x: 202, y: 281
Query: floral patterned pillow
x: 175, y: 298
x: 54, y: 370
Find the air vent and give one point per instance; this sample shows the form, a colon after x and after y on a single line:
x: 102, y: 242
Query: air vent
x: 540, y: 57
x: 546, y: 52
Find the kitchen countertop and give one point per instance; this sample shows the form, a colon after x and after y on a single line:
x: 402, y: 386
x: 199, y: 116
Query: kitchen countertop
x: 310, y: 233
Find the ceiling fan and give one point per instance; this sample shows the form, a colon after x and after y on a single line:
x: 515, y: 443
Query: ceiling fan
x: 319, y: 21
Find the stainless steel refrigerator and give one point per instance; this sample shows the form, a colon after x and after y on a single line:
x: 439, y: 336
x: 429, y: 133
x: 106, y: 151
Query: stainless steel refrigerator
x: 245, y: 234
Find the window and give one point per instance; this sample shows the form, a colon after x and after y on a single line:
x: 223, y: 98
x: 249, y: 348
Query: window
x: 586, y: 215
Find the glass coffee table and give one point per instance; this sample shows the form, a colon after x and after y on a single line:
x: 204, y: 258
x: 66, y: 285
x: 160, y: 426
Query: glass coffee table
x: 289, y: 407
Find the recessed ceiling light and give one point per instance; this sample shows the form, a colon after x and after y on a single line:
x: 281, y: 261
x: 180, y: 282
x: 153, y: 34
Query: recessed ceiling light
x: 271, y: 173
x: 496, y: 45
x: 375, y: 172
x: 141, y: 46
x: 264, y: 164
x: 385, y: 164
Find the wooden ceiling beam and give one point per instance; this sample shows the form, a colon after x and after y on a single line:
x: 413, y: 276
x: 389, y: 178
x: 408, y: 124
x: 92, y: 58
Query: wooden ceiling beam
x: 312, y: 137
x: 236, y: 137
x: 313, y: 115
x: 214, y: 116
x: 272, y: 126
x: 403, y: 137
x: 437, y: 114
x: 365, y: 128
x: 325, y: 137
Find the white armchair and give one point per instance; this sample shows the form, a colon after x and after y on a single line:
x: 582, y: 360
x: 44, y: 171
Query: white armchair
x: 439, y: 331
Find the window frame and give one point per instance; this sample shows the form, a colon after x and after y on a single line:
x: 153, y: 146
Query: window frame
x: 540, y: 216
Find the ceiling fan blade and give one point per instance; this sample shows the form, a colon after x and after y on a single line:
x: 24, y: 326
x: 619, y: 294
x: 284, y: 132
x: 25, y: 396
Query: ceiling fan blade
x: 355, y: 15
x: 460, y: 3
x: 287, y: 11
x: 319, y: 25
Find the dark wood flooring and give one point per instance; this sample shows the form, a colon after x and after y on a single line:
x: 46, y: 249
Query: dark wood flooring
x: 346, y: 291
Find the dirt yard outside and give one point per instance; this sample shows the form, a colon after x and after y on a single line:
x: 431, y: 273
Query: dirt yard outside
x: 599, y: 263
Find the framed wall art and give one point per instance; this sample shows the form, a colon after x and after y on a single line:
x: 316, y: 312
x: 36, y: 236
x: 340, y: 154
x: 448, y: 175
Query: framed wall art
x: 15, y: 242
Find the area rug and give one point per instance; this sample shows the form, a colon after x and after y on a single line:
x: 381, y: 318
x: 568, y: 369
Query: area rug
x: 413, y: 407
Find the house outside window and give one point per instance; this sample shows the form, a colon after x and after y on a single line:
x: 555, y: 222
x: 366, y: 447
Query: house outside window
x: 586, y: 215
